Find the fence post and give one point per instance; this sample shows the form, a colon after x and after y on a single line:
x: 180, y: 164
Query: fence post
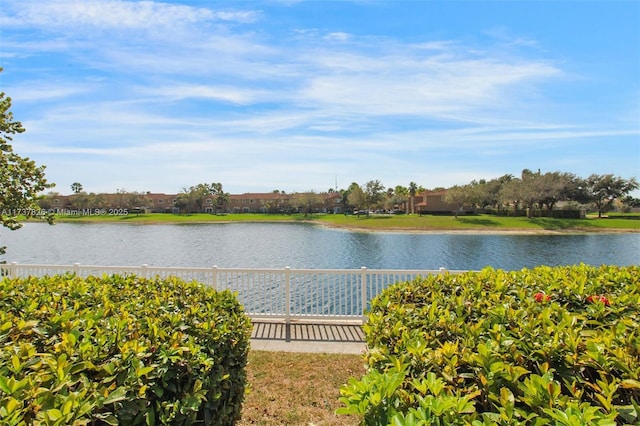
x: 214, y: 282
x: 145, y: 271
x: 13, y: 270
x: 76, y: 269
x: 363, y: 289
x: 287, y: 294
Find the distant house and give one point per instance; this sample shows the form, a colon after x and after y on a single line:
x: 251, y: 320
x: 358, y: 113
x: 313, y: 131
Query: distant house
x: 432, y: 202
x: 269, y: 202
x: 333, y: 203
x: 161, y: 203
x: 251, y: 202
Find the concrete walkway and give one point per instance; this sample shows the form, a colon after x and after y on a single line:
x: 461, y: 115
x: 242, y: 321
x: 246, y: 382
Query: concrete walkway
x: 324, y: 337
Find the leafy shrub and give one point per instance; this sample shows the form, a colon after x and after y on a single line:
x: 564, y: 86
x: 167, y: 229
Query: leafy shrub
x: 120, y: 350
x: 543, y: 346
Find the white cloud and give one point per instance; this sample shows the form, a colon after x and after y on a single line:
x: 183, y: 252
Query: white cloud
x: 430, y: 88
x: 236, y: 95
x: 112, y: 14
x: 338, y: 36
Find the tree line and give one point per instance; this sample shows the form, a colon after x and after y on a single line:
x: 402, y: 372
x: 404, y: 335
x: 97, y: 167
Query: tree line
x: 536, y: 190
x: 532, y: 191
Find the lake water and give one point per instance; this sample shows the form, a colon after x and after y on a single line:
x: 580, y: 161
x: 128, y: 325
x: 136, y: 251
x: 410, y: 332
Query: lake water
x: 276, y: 245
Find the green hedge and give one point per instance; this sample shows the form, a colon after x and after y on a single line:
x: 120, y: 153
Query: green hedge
x: 533, y: 347
x: 120, y: 350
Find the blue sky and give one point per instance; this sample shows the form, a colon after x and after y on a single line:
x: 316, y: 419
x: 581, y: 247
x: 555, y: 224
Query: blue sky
x: 298, y: 95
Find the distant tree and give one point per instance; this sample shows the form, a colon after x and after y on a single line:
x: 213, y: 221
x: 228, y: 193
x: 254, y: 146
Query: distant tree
x: 457, y: 195
x: 182, y: 200
x: 401, y: 196
x: 510, y: 194
x: 46, y: 202
x: 305, y: 201
x: 220, y: 198
x: 356, y: 197
x: 344, y: 200
x: 603, y: 190
x: 76, y: 187
x: 535, y: 190
x: 193, y: 199
x: 413, y: 189
x: 389, y: 199
x: 133, y: 200
x: 373, y: 191
x: 280, y: 204
x: 469, y: 195
x: 531, y: 189
x: 81, y: 200
x: 555, y: 187
x: 21, y: 180
x: 203, y: 195
x: 98, y: 201
x: 631, y: 202
x: 489, y: 191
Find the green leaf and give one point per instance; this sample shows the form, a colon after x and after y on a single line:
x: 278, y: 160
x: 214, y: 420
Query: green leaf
x: 150, y: 417
x: 144, y: 371
x: 4, y: 387
x: 630, y: 384
x: 117, y: 395
x: 53, y: 414
x: 111, y: 420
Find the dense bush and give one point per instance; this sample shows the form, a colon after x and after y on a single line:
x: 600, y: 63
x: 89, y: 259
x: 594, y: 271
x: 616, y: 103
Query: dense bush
x: 544, y: 346
x: 120, y: 350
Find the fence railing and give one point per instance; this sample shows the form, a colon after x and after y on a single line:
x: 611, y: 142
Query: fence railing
x: 284, y: 293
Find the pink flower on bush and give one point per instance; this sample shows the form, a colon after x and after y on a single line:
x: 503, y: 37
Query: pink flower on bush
x: 601, y: 299
x: 541, y: 297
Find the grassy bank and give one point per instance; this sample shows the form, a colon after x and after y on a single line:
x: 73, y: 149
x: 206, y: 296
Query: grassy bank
x: 480, y: 223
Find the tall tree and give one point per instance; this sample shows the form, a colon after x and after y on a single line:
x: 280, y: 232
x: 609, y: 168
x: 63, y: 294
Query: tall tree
x: 489, y: 191
x: 220, y: 198
x: 401, y: 195
x: 306, y: 201
x: 373, y: 191
x: 356, y: 197
x: 21, y: 180
x: 530, y: 189
x: 556, y: 186
x: 510, y: 194
x: 629, y: 202
x: 413, y: 188
x: 193, y: 199
x: 76, y: 187
x: 466, y: 195
x: 603, y: 190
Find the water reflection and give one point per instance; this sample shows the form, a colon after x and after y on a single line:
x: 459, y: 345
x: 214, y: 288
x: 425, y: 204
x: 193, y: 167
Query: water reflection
x: 259, y: 245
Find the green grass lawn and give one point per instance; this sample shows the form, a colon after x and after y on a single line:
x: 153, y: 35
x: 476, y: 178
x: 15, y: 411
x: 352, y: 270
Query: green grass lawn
x: 386, y: 222
x: 484, y: 222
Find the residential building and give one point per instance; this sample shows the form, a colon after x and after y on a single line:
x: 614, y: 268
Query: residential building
x: 433, y: 202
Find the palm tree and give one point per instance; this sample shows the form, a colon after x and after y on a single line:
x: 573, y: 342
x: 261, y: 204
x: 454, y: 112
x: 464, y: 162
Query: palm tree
x: 76, y: 187
x: 413, y: 187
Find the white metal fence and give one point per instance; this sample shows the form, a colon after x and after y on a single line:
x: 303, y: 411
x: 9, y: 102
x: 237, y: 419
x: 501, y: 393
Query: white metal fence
x: 284, y: 293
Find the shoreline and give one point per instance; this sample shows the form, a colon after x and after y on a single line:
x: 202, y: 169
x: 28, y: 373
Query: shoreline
x: 391, y: 229
x: 481, y: 231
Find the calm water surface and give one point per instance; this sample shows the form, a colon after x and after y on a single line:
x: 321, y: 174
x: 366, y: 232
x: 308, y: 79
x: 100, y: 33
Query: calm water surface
x: 275, y: 245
